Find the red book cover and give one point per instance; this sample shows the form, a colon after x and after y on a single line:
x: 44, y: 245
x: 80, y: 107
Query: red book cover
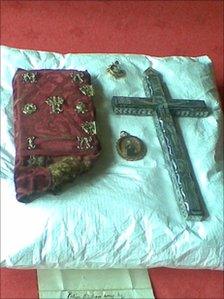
x: 54, y: 129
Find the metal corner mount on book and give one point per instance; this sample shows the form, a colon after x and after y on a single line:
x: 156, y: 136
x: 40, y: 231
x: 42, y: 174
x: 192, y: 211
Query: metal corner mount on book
x: 187, y: 191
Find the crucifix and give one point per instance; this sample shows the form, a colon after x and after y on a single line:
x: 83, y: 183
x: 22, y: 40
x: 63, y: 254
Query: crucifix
x: 186, y: 189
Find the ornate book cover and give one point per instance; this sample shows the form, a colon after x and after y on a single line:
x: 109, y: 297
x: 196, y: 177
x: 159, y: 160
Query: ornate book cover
x: 55, y: 130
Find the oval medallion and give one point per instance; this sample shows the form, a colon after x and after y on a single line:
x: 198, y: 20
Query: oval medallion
x: 130, y: 147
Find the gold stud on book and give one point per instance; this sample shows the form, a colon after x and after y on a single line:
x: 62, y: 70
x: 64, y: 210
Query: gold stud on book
x: 80, y: 108
x: 29, y: 77
x: 84, y: 143
x: 29, y: 108
x: 36, y: 161
x: 55, y: 103
x: 89, y: 127
x: 30, y: 143
x: 77, y: 78
x: 129, y: 147
x: 87, y: 90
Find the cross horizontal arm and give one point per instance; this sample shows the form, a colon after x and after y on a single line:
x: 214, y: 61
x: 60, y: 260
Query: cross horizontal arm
x: 133, y: 106
x: 188, y: 108
x: 146, y: 106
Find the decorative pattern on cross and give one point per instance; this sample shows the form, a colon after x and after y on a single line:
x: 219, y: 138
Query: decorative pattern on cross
x: 186, y: 189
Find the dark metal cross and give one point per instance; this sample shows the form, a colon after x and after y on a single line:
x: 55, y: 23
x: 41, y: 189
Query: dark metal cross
x: 187, y: 191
